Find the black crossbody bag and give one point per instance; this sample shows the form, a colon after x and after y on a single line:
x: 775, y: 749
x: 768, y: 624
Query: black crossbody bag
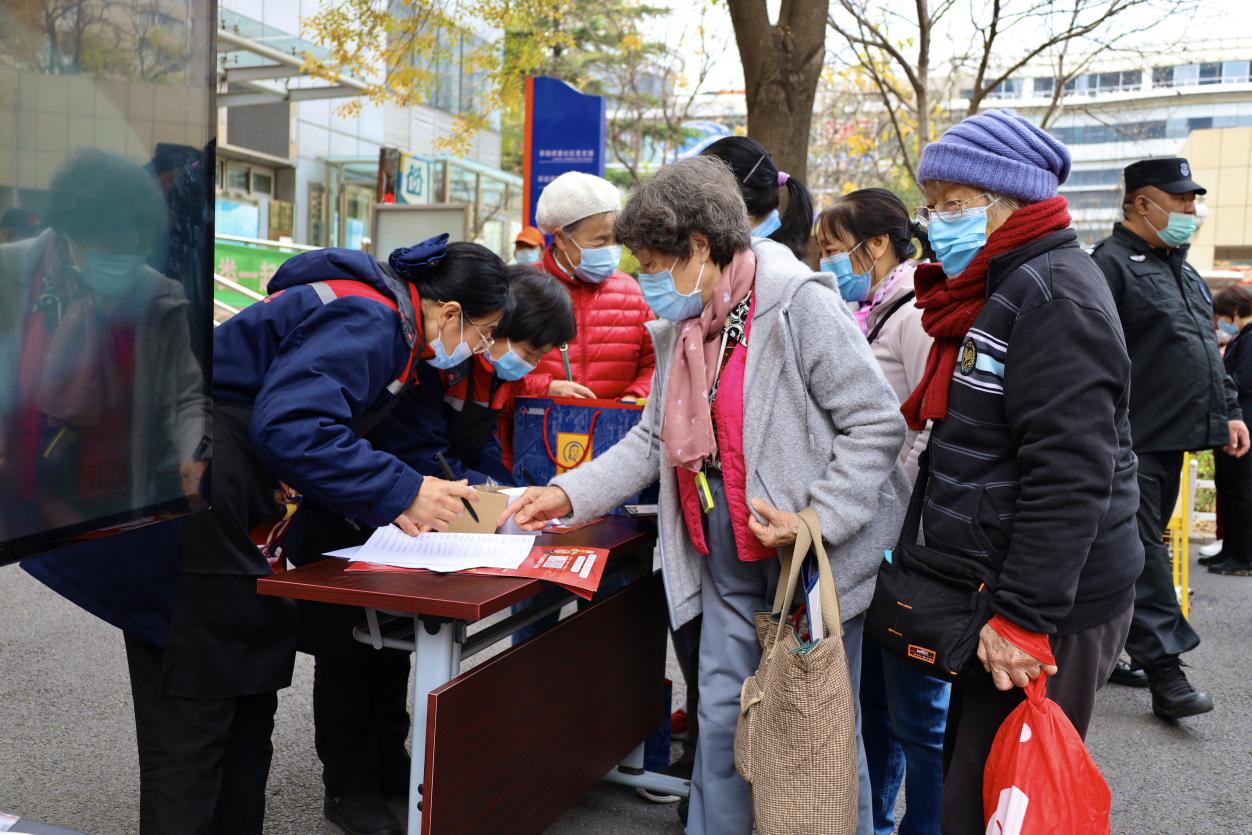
x: 929, y: 606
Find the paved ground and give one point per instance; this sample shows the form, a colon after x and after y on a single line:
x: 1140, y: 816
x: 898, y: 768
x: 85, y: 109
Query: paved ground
x: 67, y: 740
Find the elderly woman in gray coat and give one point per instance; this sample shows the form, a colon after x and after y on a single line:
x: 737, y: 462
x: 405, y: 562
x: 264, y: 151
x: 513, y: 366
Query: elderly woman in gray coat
x: 766, y: 400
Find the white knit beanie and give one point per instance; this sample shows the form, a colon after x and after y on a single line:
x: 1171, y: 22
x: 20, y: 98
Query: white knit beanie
x: 573, y: 196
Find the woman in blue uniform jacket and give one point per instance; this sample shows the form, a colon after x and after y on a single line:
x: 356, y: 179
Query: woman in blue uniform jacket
x: 360, y: 710
x: 299, y: 379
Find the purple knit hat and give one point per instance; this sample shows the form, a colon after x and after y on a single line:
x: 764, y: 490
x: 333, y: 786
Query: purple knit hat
x: 1001, y: 152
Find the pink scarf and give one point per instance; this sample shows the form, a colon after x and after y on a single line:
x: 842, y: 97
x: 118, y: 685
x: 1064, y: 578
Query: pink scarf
x: 688, y: 429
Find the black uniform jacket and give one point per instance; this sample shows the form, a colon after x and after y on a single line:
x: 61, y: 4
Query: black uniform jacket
x: 1180, y: 395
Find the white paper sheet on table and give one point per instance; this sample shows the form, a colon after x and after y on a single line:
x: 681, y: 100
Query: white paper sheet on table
x: 441, y: 551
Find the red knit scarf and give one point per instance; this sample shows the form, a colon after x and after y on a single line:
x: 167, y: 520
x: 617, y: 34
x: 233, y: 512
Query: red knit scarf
x: 950, y: 305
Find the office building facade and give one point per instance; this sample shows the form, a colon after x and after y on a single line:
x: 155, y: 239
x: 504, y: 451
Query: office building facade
x: 1121, y: 110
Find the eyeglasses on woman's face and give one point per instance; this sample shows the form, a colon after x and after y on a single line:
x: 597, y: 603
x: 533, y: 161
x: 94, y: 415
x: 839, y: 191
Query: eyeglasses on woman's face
x: 953, y: 210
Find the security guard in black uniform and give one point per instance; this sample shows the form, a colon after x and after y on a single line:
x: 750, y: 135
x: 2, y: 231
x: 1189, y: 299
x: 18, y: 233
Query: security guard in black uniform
x: 1180, y: 399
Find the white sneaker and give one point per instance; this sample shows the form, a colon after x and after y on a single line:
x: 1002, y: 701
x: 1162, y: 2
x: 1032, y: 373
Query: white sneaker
x: 1211, y: 550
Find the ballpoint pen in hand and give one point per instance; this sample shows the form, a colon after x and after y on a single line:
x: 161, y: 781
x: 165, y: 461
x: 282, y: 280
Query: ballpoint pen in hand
x: 450, y: 476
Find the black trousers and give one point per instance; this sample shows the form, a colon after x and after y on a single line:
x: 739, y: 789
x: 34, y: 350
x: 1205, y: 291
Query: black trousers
x: 360, y: 706
x: 1158, y: 633
x: 687, y: 648
x: 1233, y: 479
x: 203, y: 763
x: 1084, y: 661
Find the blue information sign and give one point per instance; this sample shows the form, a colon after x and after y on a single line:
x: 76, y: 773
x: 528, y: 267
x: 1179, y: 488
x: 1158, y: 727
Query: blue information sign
x: 564, y: 131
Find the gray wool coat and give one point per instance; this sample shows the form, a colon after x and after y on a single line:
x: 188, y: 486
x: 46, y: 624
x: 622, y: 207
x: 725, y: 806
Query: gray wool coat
x: 821, y: 427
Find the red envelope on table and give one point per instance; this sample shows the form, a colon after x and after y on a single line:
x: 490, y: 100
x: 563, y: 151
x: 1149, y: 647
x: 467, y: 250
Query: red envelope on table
x: 575, y: 569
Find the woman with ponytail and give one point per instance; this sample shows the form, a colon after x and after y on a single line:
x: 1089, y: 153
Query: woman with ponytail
x: 760, y: 182
x: 866, y: 241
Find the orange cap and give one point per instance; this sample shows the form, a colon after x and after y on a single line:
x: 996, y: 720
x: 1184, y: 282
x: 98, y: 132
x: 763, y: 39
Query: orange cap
x: 530, y: 235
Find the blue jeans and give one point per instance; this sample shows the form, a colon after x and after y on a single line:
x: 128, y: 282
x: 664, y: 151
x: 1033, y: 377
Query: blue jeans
x: 903, y: 716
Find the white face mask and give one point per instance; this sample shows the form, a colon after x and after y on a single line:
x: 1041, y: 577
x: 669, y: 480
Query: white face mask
x: 443, y: 359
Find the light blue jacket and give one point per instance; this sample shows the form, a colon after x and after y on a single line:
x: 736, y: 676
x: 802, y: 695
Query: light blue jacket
x: 821, y: 427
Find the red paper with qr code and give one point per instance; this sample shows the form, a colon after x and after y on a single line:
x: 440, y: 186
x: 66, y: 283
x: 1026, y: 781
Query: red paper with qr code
x: 576, y: 569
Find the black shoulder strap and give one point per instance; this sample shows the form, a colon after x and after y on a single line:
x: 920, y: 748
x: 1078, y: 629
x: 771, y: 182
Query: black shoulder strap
x: 913, y: 518
x: 899, y: 303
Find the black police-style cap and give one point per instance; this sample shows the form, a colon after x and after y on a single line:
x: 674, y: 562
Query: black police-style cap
x: 1171, y: 174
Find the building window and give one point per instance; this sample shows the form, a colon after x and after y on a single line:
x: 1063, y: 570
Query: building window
x: 236, y: 178
x: 1098, y: 177
x: 1088, y: 200
x: 1186, y: 75
x: 246, y: 179
x: 1162, y: 76
x: 1044, y: 86
x: 1132, y: 79
x: 1211, y: 73
x: 460, y: 80
x: 1108, y: 82
x: 262, y: 183
x: 1235, y: 72
x: 1010, y: 88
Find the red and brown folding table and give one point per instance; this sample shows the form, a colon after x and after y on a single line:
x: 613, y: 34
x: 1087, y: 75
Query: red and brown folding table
x: 509, y: 744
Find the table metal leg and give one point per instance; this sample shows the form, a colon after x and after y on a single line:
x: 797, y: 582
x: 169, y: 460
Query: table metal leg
x: 436, y: 660
x: 629, y: 772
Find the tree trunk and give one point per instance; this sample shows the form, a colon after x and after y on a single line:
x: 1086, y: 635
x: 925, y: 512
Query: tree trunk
x: 781, y: 66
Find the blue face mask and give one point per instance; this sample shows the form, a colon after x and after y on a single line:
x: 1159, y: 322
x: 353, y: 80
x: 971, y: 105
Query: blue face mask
x: 660, y: 294
x: 956, y: 242
x: 768, y: 226
x: 1178, y: 229
x: 1229, y: 327
x: 111, y: 276
x: 442, y: 359
x: 511, y: 366
x: 595, y: 265
x: 854, y: 287
x: 526, y: 257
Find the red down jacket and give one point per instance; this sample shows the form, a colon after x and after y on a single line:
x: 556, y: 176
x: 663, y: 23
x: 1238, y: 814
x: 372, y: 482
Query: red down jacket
x: 612, y: 353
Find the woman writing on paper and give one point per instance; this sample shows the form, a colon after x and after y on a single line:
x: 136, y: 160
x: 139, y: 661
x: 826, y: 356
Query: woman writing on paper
x: 296, y: 379
x: 767, y: 400
x: 360, y: 731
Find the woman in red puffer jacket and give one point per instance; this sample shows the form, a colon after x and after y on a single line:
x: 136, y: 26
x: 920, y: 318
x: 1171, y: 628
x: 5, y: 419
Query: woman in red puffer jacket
x: 611, y: 357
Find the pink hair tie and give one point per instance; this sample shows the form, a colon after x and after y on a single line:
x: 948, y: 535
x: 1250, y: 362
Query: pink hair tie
x: 783, y: 177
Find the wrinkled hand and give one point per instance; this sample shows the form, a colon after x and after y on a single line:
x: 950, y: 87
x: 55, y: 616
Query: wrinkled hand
x: 1008, y: 665
x: 536, y: 506
x: 781, y: 527
x: 1239, y: 442
x: 568, y: 388
x: 438, y: 505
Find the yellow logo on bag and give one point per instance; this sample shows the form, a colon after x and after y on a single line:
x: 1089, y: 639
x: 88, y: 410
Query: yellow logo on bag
x: 570, y: 447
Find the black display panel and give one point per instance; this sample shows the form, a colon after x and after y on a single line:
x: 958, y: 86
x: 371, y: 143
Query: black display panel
x: 107, y: 130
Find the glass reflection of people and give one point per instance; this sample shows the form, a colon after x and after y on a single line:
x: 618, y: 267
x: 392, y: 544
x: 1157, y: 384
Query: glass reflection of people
x: 17, y: 224
x: 101, y: 407
x: 182, y: 253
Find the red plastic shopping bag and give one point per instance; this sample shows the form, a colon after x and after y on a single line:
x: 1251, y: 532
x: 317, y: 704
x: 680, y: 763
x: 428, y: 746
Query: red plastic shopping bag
x: 1039, y: 778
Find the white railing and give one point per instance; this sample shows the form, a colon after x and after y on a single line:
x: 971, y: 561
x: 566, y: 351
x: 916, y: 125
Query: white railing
x: 239, y: 239
x: 247, y: 292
